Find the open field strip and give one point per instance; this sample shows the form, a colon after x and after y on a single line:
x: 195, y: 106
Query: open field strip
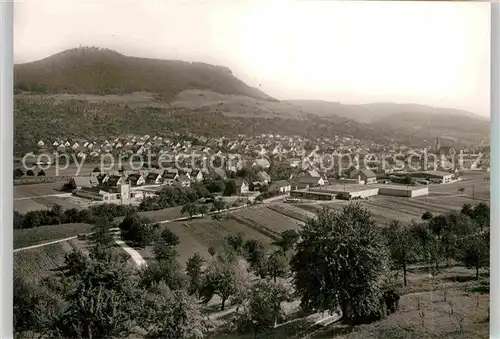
x: 289, y: 212
x: 35, y: 190
x: 412, y: 208
x: 43, y: 234
x: 271, y: 220
x: 28, y: 205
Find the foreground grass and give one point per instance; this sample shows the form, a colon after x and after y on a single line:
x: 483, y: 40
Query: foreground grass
x: 42, y: 234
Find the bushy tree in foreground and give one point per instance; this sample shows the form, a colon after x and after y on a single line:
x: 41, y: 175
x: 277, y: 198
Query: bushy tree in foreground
x: 339, y: 262
x: 277, y: 265
x: 261, y: 310
x: 475, y: 251
x: 402, y: 246
x: 138, y: 231
x: 220, y: 279
x: 172, y: 314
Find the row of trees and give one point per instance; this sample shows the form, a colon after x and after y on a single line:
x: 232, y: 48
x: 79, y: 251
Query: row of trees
x: 461, y: 237
x: 19, y: 173
x: 167, y: 197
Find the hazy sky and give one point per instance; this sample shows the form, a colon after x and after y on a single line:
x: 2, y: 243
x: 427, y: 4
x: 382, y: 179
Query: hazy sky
x: 352, y: 52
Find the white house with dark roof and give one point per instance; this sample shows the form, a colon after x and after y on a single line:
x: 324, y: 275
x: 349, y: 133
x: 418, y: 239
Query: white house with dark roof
x: 365, y: 176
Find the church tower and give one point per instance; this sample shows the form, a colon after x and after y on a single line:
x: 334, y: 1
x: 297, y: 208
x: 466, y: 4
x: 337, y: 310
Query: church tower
x: 437, y: 145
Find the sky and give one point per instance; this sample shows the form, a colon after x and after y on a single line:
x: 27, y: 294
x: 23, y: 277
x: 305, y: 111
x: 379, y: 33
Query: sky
x: 344, y: 51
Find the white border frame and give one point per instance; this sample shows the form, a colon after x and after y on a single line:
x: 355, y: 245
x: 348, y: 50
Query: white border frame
x: 6, y: 153
x: 495, y: 171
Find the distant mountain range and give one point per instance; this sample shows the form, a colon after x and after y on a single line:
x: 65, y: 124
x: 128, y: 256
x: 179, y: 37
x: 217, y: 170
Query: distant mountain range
x: 377, y: 111
x: 103, y: 86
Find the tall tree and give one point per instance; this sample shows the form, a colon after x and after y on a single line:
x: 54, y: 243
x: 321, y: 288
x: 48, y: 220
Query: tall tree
x: 339, y: 263
x: 173, y: 315
x: 288, y: 240
x: 262, y: 309
x: 194, y: 272
x: 475, y: 251
x: 219, y: 279
x: 278, y: 265
x: 402, y: 247
x: 218, y: 205
x: 190, y: 208
x: 170, y: 238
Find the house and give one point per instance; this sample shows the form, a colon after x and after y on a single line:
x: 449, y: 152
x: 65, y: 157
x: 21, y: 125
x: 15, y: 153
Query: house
x: 261, y: 163
x: 169, y: 178
x: 281, y: 186
x: 365, y: 175
x: 242, y: 186
x: 81, y: 182
x: 41, y: 143
x: 263, y: 177
x: 111, y: 195
x: 136, y: 179
x: 197, y: 176
x: 115, y: 180
x: 256, y: 186
x: 306, y: 182
x: 183, y: 181
x: 153, y: 178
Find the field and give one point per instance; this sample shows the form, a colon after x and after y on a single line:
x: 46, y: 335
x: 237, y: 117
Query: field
x: 33, y: 236
x: 38, y: 263
x: 197, y: 236
x: 290, y: 211
x: 22, y: 191
x: 269, y: 219
x: 442, y: 198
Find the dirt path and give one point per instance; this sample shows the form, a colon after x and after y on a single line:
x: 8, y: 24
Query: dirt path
x: 137, y: 258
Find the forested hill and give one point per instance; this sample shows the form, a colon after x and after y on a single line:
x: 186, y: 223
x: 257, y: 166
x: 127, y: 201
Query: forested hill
x: 98, y: 71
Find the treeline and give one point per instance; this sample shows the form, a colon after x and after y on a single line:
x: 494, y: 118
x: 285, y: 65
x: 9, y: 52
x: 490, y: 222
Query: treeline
x: 50, y: 119
x: 442, y: 239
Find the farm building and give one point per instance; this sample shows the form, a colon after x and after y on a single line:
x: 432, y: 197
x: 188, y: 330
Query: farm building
x: 403, y: 191
x: 364, y: 176
x: 282, y: 186
x: 358, y: 191
x: 306, y: 182
x: 306, y: 194
x: 115, y: 195
x: 80, y: 182
x: 434, y: 176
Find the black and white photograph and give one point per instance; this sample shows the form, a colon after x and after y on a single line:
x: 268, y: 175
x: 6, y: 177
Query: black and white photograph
x: 251, y: 169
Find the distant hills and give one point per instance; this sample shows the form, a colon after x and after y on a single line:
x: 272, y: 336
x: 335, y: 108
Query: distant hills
x: 377, y: 111
x: 110, y: 93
